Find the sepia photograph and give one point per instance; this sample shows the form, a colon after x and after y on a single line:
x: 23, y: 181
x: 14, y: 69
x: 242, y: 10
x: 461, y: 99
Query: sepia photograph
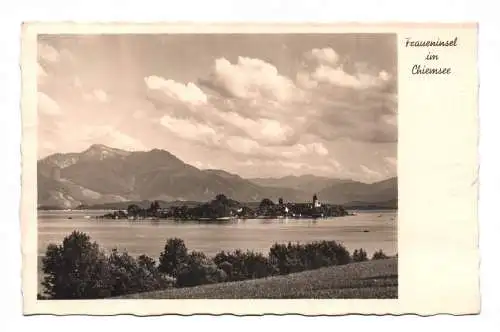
x: 217, y: 166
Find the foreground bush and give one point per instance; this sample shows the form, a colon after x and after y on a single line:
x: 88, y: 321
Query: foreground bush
x: 130, y: 275
x: 199, y: 270
x: 299, y: 257
x: 240, y: 265
x: 78, y: 269
x: 196, y: 269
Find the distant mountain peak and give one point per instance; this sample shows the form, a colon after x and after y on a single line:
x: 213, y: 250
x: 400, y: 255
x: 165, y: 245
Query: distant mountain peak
x: 99, y: 146
x: 101, y: 151
x: 160, y: 151
x: 102, y: 147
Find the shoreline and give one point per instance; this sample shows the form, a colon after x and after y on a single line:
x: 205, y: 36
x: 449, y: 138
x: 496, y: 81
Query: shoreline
x: 353, y: 208
x: 345, y: 256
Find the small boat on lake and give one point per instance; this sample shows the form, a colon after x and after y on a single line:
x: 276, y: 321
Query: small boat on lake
x: 214, y: 220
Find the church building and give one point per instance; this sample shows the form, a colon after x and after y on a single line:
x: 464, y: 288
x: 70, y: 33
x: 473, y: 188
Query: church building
x: 316, y: 202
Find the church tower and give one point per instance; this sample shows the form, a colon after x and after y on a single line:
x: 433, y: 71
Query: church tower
x: 316, y: 202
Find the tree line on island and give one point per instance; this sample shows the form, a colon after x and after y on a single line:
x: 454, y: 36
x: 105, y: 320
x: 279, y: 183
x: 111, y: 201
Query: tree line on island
x: 224, y: 208
x: 79, y: 269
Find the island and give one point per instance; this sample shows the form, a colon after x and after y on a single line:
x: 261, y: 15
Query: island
x: 223, y: 209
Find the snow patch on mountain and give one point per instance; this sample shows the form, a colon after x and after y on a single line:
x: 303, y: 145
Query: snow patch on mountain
x: 101, y: 152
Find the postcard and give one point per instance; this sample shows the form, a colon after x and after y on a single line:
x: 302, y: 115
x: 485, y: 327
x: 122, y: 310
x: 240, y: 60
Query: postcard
x: 249, y: 169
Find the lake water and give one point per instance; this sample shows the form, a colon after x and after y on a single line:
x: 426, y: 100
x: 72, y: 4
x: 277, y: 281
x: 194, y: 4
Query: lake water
x: 371, y: 231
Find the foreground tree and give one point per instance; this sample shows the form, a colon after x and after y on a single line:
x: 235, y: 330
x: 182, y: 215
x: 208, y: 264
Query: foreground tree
x: 174, y: 254
x: 77, y: 269
x: 130, y: 275
x: 198, y: 269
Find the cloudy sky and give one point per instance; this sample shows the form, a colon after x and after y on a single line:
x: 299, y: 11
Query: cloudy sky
x: 255, y: 105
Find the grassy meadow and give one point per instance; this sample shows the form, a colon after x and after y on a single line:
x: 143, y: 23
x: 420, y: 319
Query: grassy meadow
x: 364, y: 280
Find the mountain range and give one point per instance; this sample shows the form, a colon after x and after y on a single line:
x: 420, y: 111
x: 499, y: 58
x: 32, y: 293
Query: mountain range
x: 102, y: 174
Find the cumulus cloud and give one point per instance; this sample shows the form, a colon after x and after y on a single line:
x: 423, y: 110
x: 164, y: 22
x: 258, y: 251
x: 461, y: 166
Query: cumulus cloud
x: 95, y: 95
x: 266, y: 131
x: 250, y: 147
x: 138, y: 114
x: 310, y: 113
x: 47, y: 105
x: 384, y: 76
x: 89, y: 94
x: 304, y: 80
x: 41, y: 73
x: 339, y: 77
x: 335, y: 165
x: 121, y: 140
x: 48, y: 146
x: 189, y: 129
x: 249, y: 109
x: 325, y: 66
x: 357, y: 104
x: 319, y: 149
x: 255, y: 111
x: 247, y: 143
x: 391, y: 160
x: 323, y: 55
x: 47, y: 53
x: 108, y: 135
x: 299, y: 150
x: 100, y: 95
x: 391, y: 164
x: 242, y: 145
x: 370, y: 174
x: 250, y: 79
x: 77, y: 82
x: 189, y: 93
x: 227, y: 118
